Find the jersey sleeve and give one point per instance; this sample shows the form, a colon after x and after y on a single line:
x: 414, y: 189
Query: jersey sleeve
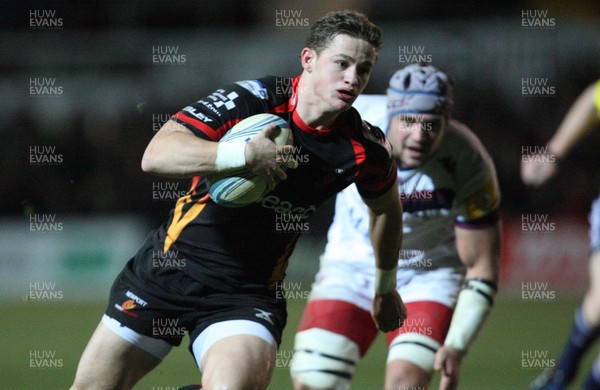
x: 478, y: 196
x: 211, y: 117
x: 378, y: 173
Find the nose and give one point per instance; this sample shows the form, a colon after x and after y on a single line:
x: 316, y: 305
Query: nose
x: 419, y: 131
x: 351, y: 76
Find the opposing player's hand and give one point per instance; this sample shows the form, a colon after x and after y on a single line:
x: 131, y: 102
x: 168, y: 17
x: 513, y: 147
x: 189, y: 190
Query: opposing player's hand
x: 262, y: 156
x: 536, y: 171
x: 447, y: 360
x: 388, y: 311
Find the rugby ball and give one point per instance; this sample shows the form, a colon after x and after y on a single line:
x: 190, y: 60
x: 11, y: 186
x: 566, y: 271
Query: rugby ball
x: 240, y: 188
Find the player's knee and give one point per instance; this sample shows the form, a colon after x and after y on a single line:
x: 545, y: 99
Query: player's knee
x: 91, y: 384
x: 219, y: 374
x: 76, y: 385
x: 323, y: 360
x: 85, y: 379
x: 404, y: 375
x: 410, y: 361
x: 234, y: 382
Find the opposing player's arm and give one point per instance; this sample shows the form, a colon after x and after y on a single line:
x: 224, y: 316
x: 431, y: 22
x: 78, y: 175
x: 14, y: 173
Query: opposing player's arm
x: 579, y: 121
x: 479, y: 249
x: 385, y: 229
x: 577, y: 124
x: 176, y: 152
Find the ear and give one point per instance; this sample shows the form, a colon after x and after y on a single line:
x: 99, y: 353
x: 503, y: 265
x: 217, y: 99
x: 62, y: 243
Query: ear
x: 307, y: 58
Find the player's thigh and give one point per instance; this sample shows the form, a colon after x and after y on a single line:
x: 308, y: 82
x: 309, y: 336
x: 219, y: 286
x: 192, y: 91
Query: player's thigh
x: 333, y: 335
x: 111, y: 362
x: 237, y: 354
x: 412, y: 348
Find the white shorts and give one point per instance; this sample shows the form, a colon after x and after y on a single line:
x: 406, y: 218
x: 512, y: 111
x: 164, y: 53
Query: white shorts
x: 354, y: 283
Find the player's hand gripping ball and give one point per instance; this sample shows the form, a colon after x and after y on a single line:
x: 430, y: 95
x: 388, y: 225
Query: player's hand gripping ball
x: 240, y: 188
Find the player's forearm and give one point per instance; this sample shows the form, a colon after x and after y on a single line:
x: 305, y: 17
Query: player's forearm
x: 176, y: 152
x: 386, y: 237
x: 385, y: 228
x: 479, y: 250
x: 576, y: 125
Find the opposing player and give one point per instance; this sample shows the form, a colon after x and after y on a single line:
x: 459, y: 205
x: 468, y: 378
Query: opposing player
x: 581, y: 119
x: 450, y: 198
x: 225, y: 294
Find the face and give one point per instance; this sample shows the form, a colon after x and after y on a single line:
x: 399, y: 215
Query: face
x: 339, y: 73
x: 415, y: 137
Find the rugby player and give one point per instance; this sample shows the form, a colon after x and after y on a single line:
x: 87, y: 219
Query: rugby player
x: 579, y: 122
x: 449, y: 264
x: 225, y: 296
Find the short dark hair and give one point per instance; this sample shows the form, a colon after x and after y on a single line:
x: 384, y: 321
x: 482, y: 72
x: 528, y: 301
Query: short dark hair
x: 348, y: 22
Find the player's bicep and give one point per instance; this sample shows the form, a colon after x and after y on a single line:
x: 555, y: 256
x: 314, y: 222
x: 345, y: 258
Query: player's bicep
x: 170, y: 127
x: 388, y: 202
x: 479, y: 249
x: 176, y: 151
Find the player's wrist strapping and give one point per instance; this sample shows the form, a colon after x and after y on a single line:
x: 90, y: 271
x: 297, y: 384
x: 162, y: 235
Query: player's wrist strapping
x: 385, y: 280
x: 474, y: 303
x: 230, y: 156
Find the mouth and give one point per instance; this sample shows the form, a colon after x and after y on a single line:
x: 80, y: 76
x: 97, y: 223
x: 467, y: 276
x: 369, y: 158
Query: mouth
x: 346, y: 95
x: 416, y: 152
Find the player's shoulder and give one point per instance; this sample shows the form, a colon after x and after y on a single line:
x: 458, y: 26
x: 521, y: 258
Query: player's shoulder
x: 460, y: 138
x: 269, y: 88
x: 256, y: 87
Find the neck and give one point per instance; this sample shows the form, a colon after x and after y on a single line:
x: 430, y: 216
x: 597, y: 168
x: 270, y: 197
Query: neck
x: 309, y: 107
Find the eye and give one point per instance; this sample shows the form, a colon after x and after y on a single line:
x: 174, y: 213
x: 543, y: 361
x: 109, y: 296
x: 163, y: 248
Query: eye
x: 342, y: 64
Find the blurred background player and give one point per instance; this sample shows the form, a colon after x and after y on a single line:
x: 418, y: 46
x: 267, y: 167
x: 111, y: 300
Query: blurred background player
x: 451, y: 248
x: 581, y: 119
x: 225, y: 296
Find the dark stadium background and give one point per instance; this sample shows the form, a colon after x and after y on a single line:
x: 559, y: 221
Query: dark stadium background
x: 113, y: 97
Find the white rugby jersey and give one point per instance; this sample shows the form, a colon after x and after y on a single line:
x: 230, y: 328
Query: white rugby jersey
x: 456, y: 185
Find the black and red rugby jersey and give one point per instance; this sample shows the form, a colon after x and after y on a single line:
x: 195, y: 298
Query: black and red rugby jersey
x: 251, y: 245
